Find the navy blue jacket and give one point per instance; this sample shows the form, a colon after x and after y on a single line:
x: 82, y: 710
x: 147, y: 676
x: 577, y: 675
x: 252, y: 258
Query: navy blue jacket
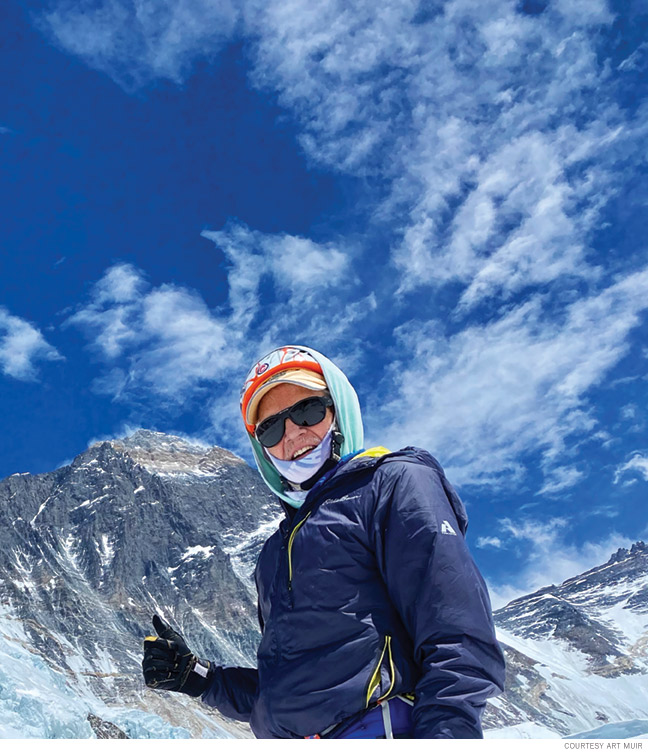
x: 366, y: 592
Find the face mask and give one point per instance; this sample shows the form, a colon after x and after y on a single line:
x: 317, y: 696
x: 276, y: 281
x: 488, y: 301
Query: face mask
x: 303, y: 468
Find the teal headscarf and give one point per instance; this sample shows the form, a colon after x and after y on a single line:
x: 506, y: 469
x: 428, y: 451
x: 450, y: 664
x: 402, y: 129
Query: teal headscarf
x: 347, y: 415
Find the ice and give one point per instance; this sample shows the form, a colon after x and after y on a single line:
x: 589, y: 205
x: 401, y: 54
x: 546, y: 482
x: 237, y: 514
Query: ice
x: 618, y: 731
x: 40, y: 510
x: 38, y: 702
x: 524, y: 731
x: 571, y: 683
x: 106, y: 550
x: 192, y: 551
x: 88, y: 502
x: 242, y: 551
x: 34, y: 700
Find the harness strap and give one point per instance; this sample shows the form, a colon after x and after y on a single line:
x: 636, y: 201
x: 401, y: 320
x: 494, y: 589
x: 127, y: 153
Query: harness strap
x: 323, y: 733
x: 338, y: 727
x: 389, y: 733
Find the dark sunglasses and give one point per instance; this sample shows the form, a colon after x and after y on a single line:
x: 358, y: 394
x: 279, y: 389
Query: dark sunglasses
x: 307, y: 412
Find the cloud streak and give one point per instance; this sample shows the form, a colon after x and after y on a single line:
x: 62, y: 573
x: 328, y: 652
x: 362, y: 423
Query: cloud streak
x: 165, y: 341
x: 162, y: 339
x: 500, y: 182
x: 508, y: 387
x: 495, y: 136
x: 548, y: 556
x: 300, y: 268
x: 638, y: 464
x: 138, y: 42
x: 492, y: 141
x: 21, y: 346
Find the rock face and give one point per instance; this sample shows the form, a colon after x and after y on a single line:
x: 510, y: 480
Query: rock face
x: 577, y: 653
x: 105, y: 730
x: 132, y: 527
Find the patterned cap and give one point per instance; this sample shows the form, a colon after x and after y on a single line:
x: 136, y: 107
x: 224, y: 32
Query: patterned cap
x: 290, y: 365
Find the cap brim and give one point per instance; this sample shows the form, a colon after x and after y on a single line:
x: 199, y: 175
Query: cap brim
x: 311, y: 380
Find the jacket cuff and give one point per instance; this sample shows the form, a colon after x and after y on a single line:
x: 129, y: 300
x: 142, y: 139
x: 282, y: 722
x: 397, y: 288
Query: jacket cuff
x: 199, y: 678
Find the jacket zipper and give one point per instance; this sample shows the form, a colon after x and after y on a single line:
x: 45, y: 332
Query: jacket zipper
x: 375, y: 677
x: 289, y: 548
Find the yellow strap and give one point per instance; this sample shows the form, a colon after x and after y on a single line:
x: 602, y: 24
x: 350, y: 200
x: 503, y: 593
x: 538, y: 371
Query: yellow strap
x: 374, y: 452
x: 392, y: 671
x: 375, y: 678
x: 290, y: 544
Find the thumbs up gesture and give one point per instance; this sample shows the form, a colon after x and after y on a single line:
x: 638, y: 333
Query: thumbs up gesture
x: 168, y: 663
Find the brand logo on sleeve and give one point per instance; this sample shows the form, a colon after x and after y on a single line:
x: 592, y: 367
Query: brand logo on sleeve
x: 447, y: 529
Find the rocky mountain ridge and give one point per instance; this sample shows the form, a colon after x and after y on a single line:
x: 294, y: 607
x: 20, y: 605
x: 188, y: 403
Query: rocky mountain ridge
x: 577, y: 653
x: 132, y: 527
x: 168, y: 455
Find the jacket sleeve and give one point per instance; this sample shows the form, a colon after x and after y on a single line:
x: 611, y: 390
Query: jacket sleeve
x: 441, y: 597
x: 233, y: 691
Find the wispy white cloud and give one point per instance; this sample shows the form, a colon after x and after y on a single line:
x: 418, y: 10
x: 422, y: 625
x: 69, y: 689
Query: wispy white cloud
x: 484, y: 542
x: 163, y: 338
x: 549, y: 557
x: 495, y: 135
x: 637, y: 464
x: 493, y: 139
x: 637, y: 60
x: 300, y: 268
x: 137, y: 42
x: 166, y: 341
x: 632, y: 420
x: 122, y: 283
x: 115, y: 305
x: 561, y: 478
x: 503, y: 137
x: 305, y: 268
x: 21, y: 346
x: 314, y: 293
x: 487, y: 395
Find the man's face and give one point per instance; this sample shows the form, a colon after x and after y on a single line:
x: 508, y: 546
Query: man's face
x: 297, y: 440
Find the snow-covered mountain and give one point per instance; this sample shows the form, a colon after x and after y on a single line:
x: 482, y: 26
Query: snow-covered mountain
x: 154, y: 523
x: 577, y: 654
x: 90, y: 551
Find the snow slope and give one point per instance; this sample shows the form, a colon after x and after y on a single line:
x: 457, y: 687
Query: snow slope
x: 577, y: 654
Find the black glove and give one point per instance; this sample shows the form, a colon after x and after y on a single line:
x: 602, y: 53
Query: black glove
x: 168, y: 663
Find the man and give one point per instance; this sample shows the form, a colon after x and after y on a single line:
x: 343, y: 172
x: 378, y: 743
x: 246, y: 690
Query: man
x: 375, y: 620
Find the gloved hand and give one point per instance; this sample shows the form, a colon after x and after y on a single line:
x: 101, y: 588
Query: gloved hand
x: 168, y: 663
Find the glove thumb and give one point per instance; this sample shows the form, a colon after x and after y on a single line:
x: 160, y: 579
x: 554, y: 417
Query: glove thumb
x: 163, y: 629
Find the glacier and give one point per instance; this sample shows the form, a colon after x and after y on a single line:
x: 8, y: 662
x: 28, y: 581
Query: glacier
x: 36, y: 701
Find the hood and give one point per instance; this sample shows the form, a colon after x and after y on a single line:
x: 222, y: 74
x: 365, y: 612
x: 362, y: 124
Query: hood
x: 347, y: 415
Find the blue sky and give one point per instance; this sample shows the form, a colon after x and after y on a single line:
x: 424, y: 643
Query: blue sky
x: 446, y: 198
